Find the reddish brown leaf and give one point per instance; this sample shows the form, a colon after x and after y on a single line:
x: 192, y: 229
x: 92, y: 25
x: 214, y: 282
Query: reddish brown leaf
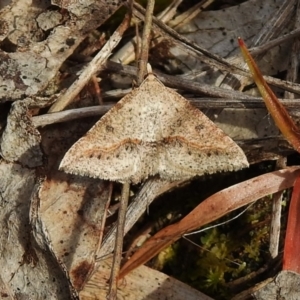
x: 213, y: 208
x: 291, y: 260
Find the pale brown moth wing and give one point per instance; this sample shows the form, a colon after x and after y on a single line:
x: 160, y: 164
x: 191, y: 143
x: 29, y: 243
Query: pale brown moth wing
x: 193, y: 145
x: 153, y: 130
x: 120, y: 164
x: 121, y: 146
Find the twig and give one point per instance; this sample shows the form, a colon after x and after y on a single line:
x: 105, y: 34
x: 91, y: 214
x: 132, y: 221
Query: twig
x: 151, y: 189
x: 142, y: 65
x: 95, y: 111
x: 180, y: 82
x: 143, y: 57
x: 276, y: 214
x: 273, y: 43
x: 201, y: 88
x: 127, y: 53
x: 94, y: 66
x: 119, y: 241
x: 190, y: 14
x: 71, y: 114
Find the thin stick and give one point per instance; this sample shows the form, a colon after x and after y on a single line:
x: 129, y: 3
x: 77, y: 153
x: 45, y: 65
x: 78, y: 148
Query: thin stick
x: 126, y: 186
x: 94, y: 66
x: 201, y: 103
x: 276, y: 214
x: 119, y: 242
x: 206, y: 56
x: 273, y: 43
x: 152, y: 188
x: 143, y: 58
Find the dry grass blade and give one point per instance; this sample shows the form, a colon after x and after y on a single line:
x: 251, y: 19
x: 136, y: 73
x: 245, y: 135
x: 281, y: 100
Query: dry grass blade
x: 280, y: 115
x: 213, y: 208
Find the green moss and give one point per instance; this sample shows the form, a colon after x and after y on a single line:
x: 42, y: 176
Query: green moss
x: 224, y: 253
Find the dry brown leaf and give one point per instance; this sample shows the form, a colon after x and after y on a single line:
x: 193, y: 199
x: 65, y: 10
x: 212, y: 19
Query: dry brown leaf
x: 38, y: 54
x: 217, y: 30
x: 72, y: 208
x: 142, y: 283
x: 28, y: 270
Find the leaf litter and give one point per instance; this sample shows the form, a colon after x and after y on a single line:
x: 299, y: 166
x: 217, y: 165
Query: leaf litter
x: 10, y: 290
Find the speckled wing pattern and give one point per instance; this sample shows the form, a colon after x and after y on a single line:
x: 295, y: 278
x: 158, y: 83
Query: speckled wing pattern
x: 153, y: 130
